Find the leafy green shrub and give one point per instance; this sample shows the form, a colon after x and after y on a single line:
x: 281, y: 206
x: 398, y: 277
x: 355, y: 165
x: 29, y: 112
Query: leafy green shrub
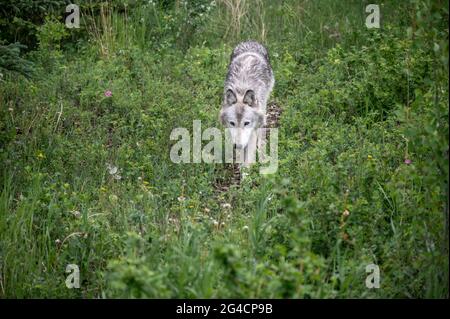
x: 19, y: 19
x: 10, y: 60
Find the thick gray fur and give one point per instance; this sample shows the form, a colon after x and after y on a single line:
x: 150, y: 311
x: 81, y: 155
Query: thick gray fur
x: 250, y: 69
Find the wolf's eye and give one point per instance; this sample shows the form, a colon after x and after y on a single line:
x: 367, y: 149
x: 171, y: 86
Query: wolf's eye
x: 247, y: 123
x: 231, y: 123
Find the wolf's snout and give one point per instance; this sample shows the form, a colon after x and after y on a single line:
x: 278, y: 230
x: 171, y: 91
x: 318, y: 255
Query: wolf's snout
x: 238, y: 146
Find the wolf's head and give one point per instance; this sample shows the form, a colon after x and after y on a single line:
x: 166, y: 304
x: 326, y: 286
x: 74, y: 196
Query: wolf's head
x: 241, y: 115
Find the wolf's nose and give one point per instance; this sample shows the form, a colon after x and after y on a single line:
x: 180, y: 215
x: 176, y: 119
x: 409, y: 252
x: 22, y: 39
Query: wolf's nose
x: 239, y: 146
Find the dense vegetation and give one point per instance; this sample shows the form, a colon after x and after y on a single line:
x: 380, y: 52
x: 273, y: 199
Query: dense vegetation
x: 86, y: 177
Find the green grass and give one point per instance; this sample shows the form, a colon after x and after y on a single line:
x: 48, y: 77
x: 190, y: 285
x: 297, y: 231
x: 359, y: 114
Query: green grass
x: 355, y: 107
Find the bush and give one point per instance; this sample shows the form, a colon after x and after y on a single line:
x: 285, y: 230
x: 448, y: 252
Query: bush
x: 363, y: 155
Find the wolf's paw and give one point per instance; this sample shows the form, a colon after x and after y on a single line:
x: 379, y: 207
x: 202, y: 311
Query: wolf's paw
x: 244, y: 175
x: 244, y: 166
x: 244, y: 169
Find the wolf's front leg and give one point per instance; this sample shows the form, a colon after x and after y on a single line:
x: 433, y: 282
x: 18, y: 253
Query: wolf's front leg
x: 250, y: 150
x: 261, y: 144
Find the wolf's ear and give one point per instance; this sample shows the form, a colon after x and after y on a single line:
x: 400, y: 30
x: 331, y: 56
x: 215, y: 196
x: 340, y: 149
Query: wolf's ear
x: 249, y: 98
x: 230, y: 97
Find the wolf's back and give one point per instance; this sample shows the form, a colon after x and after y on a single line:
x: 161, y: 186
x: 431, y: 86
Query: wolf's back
x: 250, y: 69
x: 250, y: 46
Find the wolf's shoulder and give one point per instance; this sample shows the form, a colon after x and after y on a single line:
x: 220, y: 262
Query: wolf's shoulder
x: 250, y: 47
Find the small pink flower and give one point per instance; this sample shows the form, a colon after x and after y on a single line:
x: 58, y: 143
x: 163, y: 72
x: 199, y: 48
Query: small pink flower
x: 408, y: 161
x: 108, y: 93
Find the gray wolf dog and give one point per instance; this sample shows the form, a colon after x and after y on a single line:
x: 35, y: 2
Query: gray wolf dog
x: 248, y: 84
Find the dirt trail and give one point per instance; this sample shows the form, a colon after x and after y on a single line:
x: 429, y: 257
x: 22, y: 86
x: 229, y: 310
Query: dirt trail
x: 233, y: 176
